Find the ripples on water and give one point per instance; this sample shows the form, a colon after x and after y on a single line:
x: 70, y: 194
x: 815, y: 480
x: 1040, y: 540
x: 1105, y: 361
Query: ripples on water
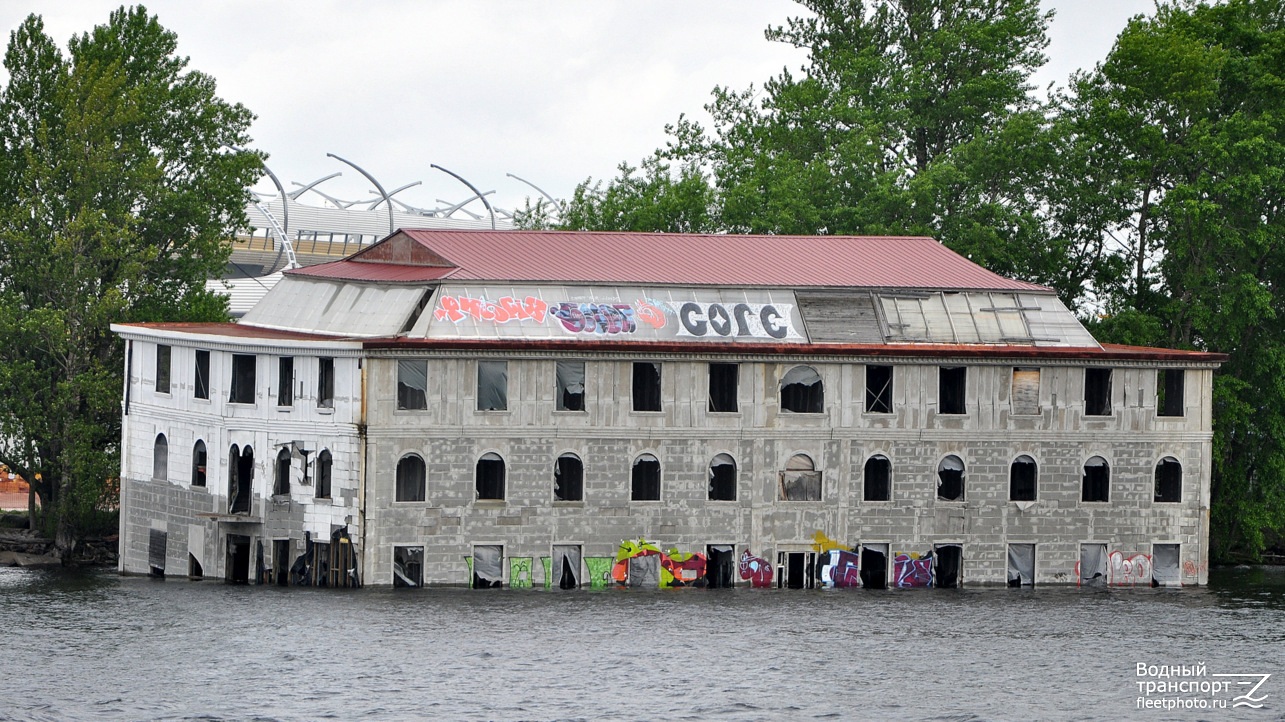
x: 99, y: 646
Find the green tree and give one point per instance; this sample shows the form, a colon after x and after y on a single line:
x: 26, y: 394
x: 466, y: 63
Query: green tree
x: 118, y: 189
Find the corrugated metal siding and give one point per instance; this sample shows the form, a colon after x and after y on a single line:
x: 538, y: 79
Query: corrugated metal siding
x: 989, y: 318
x: 331, y: 307
x: 243, y: 293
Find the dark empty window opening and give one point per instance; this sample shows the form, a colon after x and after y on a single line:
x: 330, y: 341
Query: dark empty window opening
x: 490, y: 477
x: 720, y: 565
x: 1024, y: 396
x: 281, y: 562
x: 162, y: 369
x: 877, y: 479
x: 198, y: 463
x: 802, y: 391
x: 412, y: 385
x: 796, y: 570
x: 1168, y: 480
x: 723, y: 382
x: 948, y: 561
x: 408, y: 566
x: 952, y: 384
x: 569, y: 377
x: 242, y: 388
x: 488, y: 567
x: 201, y: 375
x: 161, y: 459
x: 1097, y: 480
x: 1097, y: 392
x: 281, y: 481
x: 238, y: 559
x: 874, y: 566
x: 568, y: 478
x: 566, y: 565
x: 325, y: 383
x: 194, y: 569
x: 879, y: 389
x: 1169, y: 386
x: 285, y: 381
x: 800, y: 481
x: 325, y: 463
x: 1021, y: 565
x: 156, y: 543
x: 240, y: 480
x: 410, y: 479
x: 722, y: 478
x: 1021, y: 479
x: 645, y: 479
x: 492, y: 385
x: 646, y: 386
x: 950, y: 479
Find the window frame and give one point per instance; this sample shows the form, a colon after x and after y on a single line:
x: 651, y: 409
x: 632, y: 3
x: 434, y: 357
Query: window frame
x: 281, y: 473
x: 403, y: 398
x: 561, y: 393
x: 649, y: 458
x: 167, y: 368
x: 1167, y: 461
x: 161, y: 458
x: 644, y: 391
x: 881, y: 397
x: 325, y: 382
x: 865, y: 479
x: 502, y: 397
x: 809, y: 398
x: 285, y: 381
x: 400, y: 484
x: 324, y: 478
x: 718, y: 392
x: 952, y: 386
x: 714, y: 482
x: 1171, y: 383
x: 1099, y: 403
x: 1085, y: 481
x: 200, y: 464
x: 201, y: 376
x: 1017, y: 487
x: 244, y: 371
x: 495, y: 491
x: 564, y: 497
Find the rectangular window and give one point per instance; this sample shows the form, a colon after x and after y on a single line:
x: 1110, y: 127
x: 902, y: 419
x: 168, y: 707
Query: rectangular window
x: 723, y: 382
x: 162, y: 369
x: 408, y: 566
x: 325, y: 383
x: 201, y: 387
x: 952, y: 383
x: 242, y: 387
x: 1097, y: 392
x: 570, y: 378
x: 879, y: 389
x: 1024, y: 397
x: 285, y: 381
x: 492, y: 385
x: 488, y: 567
x: 1169, y: 388
x: 412, y: 385
x: 1021, y: 565
x: 1164, y: 565
x: 646, y: 387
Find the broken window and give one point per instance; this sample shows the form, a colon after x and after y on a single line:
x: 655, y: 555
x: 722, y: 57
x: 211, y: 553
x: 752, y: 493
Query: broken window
x: 566, y: 565
x: 1097, y: 392
x: 646, y: 386
x: 281, y: 562
x: 950, y: 479
x: 490, y: 476
x: 198, y: 463
x: 412, y: 385
x: 325, y: 462
x: 720, y: 564
x: 410, y: 478
x: 800, y: 481
x: 160, y: 459
x: 723, y: 382
x: 408, y: 566
x: 1164, y: 565
x: 645, y: 479
x: 242, y: 387
x: 488, y: 566
x: 1093, y: 564
x: 1021, y: 565
x: 722, y: 478
x: 194, y: 570
x: 1024, y: 397
x: 1097, y: 480
x: 1168, y: 480
x: 201, y: 375
x: 238, y: 559
x: 156, y: 552
x: 1021, y: 479
x: 569, y: 377
x: 1169, y: 387
x: 325, y: 383
x: 952, y: 383
x: 796, y: 570
x: 948, y: 562
x: 568, y: 478
x: 877, y: 479
x: 285, y: 381
x: 240, y: 481
x: 492, y: 385
x: 878, y: 389
x: 162, y: 369
x: 802, y: 391
x: 874, y: 566
x: 281, y: 480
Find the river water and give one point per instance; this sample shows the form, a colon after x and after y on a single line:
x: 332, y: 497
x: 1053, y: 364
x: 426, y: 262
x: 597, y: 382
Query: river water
x: 94, y: 645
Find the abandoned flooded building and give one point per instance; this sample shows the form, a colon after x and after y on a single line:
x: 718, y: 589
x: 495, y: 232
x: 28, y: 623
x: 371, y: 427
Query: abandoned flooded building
x: 568, y: 408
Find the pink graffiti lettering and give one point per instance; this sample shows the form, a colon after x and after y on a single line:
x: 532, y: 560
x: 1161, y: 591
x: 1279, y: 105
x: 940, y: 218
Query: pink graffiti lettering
x: 506, y: 309
x: 911, y: 572
x: 649, y: 314
x: 1128, y: 570
x: 755, y: 569
x: 597, y: 318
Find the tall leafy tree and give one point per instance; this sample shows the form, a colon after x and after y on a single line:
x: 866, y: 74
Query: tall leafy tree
x: 118, y: 188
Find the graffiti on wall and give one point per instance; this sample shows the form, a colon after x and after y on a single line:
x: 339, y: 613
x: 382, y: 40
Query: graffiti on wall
x: 599, y: 318
x: 840, y: 569
x: 754, y: 320
x: 1127, y: 570
x: 682, y: 569
x: 599, y: 571
x: 520, y: 572
x: 912, y: 570
x: 754, y: 569
x: 506, y: 309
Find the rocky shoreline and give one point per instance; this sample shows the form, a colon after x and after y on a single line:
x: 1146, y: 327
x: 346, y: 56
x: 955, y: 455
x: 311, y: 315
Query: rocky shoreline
x: 24, y: 548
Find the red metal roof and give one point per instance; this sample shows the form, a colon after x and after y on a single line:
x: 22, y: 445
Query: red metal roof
x: 597, y: 257
x: 232, y: 330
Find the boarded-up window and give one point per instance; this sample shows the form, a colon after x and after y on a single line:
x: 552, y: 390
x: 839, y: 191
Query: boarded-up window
x: 877, y: 479
x: 1169, y: 480
x: 723, y: 380
x: 1097, y: 392
x: 201, y: 375
x: 162, y: 369
x: 1093, y: 564
x: 156, y: 551
x: 802, y: 391
x: 950, y: 479
x: 879, y: 389
x: 161, y: 458
x: 198, y: 463
x: 285, y: 381
x: 1021, y: 479
x: 570, y: 380
x: 490, y: 477
x: 410, y: 479
x: 408, y: 566
x: 1021, y: 565
x: 568, y: 478
x: 800, y: 481
x: 566, y: 565
x: 1097, y: 480
x: 1164, y: 565
x: 412, y: 385
x: 488, y: 567
x: 1025, y: 395
x: 492, y: 385
x: 722, y: 478
x: 242, y: 386
x: 325, y: 462
x: 952, y: 384
x: 645, y: 479
x: 281, y: 482
x: 325, y: 383
x: 646, y: 387
x: 1169, y: 387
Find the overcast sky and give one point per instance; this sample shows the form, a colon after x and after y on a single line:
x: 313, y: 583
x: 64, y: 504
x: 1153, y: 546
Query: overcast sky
x: 552, y: 91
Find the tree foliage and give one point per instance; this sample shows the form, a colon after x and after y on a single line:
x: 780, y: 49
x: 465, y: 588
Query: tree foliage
x: 118, y: 189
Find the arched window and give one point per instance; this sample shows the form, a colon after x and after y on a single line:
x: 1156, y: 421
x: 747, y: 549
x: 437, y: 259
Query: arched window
x: 490, y: 476
x: 1169, y: 480
x: 802, y: 391
x: 1097, y: 480
x: 198, y: 463
x: 410, y: 478
x: 950, y: 479
x: 324, y: 462
x: 240, y: 479
x: 1021, y: 479
x: 646, y: 479
x: 878, y: 479
x: 568, y: 478
x: 281, y: 480
x: 160, y: 459
x: 722, y: 478
x: 800, y: 481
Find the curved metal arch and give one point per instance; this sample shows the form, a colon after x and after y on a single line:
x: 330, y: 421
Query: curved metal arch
x: 393, y: 192
x: 473, y: 188
x: 552, y: 201
x: 370, y: 178
x: 305, y: 188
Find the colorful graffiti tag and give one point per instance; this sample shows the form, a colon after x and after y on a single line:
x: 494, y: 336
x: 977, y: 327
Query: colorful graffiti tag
x: 1126, y: 571
x: 840, y: 569
x: 755, y: 570
x: 599, y: 318
x: 520, y: 572
x: 911, y: 570
x: 457, y: 308
x: 752, y: 320
x: 599, y: 571
x: 682, y: 569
